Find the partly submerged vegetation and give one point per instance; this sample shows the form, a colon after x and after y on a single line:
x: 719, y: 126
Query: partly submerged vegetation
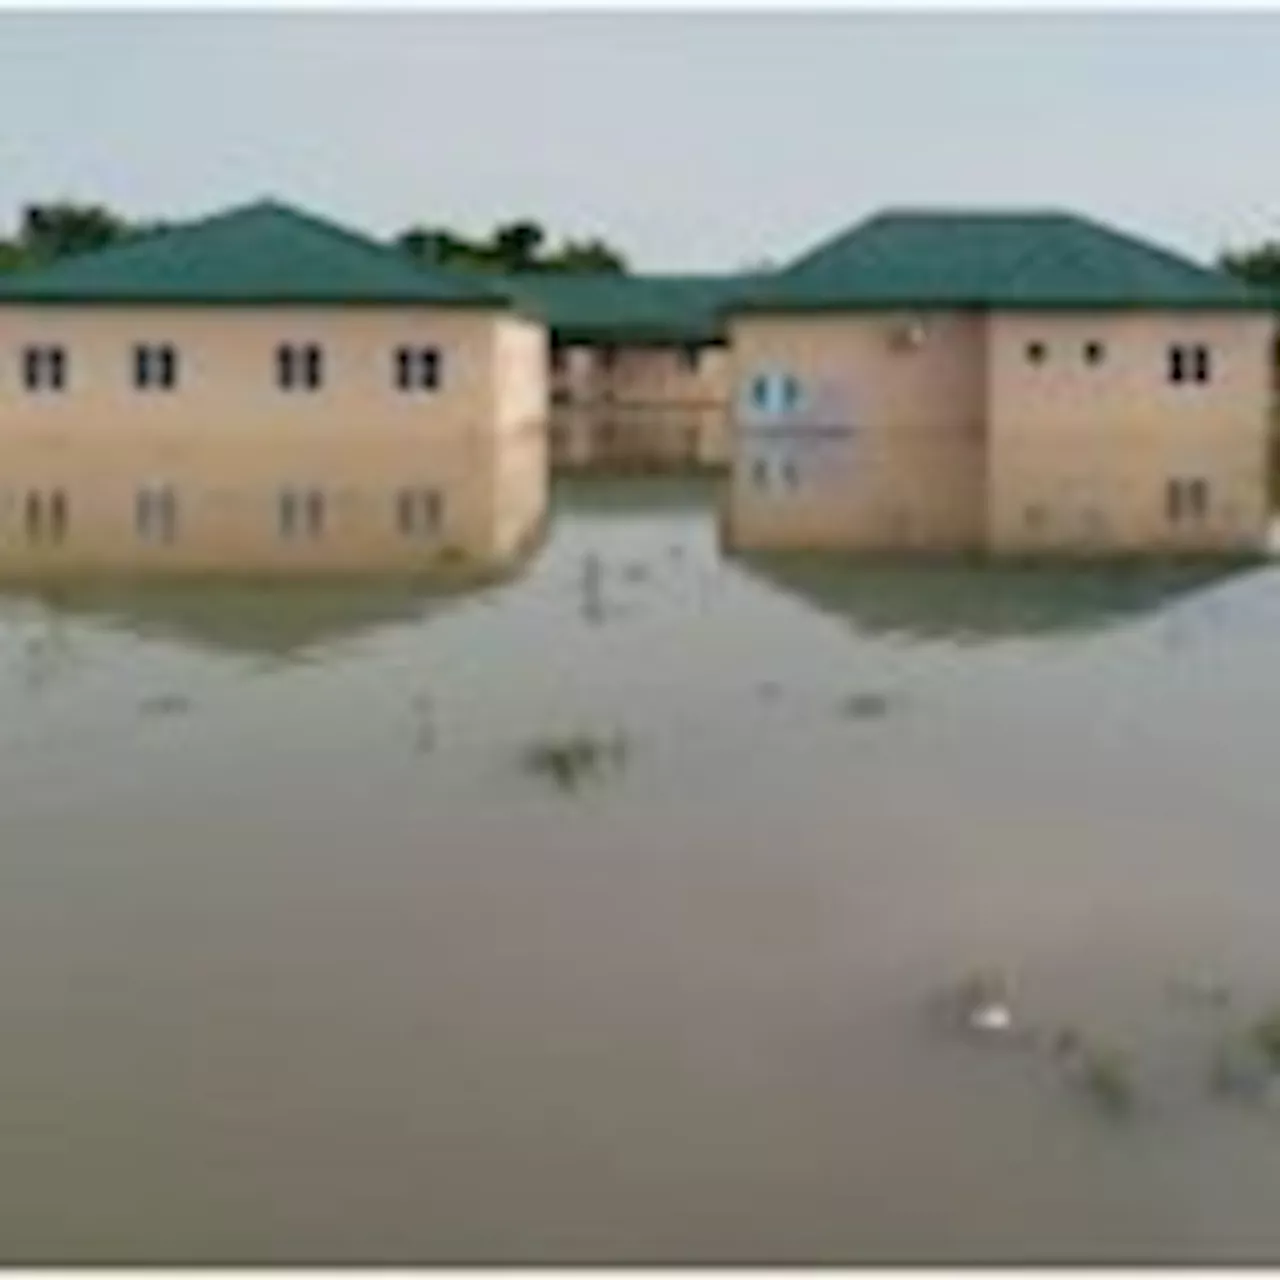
x: 572, y: 760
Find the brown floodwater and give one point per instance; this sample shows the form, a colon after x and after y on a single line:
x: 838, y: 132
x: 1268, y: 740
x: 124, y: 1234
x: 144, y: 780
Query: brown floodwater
x: 300, y: 961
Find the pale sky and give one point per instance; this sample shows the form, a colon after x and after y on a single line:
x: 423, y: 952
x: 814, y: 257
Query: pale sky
x: 694, y: 141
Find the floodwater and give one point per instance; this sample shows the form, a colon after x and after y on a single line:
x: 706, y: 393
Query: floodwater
x: 299, y: 962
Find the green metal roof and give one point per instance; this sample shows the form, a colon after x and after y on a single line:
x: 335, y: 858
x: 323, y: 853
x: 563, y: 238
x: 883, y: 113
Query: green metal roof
x: 1009, y: 260
x: 606, y: 307
x: 264, y: 253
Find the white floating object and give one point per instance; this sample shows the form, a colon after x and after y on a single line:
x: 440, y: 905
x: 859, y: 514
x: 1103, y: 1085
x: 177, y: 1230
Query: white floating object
x: 991, y: 1017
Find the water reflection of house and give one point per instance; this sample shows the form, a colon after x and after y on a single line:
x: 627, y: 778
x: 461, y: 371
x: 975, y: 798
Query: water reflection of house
x: 263, y: 390
x: 639, y: 369
x: 252, y: 617
x: 954, y: 599
x: 1007, y: 382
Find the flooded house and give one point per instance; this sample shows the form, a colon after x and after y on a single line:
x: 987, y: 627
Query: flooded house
x: 263, y: 390
x: 1005, y: 382
x: 639, y: 368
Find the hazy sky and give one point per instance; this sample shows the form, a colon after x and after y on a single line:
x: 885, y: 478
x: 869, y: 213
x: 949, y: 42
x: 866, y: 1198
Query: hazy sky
x: 694, y: 140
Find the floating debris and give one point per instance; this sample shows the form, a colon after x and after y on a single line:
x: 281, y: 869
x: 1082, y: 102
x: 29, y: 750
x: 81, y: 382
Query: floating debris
x: 1240, y: 1070
x: 980, y: 1004
x: 572, y: 760
x: 165, y: 704
x: 866, y: 706
x: 1200, y: 992
x: 1106, y: 1077
x: 1265, y: 1033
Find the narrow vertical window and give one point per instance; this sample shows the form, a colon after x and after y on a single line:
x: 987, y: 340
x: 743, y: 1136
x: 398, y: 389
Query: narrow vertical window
x: 285, y: 368
x: 1094, y: 353
x: 287, y: 514
x: 33, y: 517
x: 1200, y: 364
x: 1177, y: 364
x: 44, y: 515
x: 57, y: 516
x: 299, y: 366
x: 690, y: 357
x: 315, y: 512
x: 1036, y: 352
x: 156, y: 514
x: 1197, y: 498
x: 1173, y: 501
x: 44, y: 368
x: 418, y: 512
x: 417, y: 368
x: 155, y: 367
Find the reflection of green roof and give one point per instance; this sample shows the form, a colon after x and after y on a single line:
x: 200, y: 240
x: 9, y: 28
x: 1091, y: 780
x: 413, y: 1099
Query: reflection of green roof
x: 270, y: 619
x: 1008, y: 260
x: 605, y: 308
x: 982, y: 601
x: 263, y: 253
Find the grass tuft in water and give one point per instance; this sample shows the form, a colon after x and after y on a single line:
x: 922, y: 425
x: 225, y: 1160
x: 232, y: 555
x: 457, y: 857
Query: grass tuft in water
x: 869, y: 705
x: 570, y: 761
x: 1266, y: 1035
x: 1107, y: 1078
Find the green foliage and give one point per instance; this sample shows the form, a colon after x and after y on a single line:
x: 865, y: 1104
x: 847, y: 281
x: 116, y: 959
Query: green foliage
x: 512, y: 246
x: 61, y: 228
x: 570, y: 761
x: 1259, y: 265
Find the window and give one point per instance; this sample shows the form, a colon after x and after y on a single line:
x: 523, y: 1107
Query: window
x: 155, y: 367
x: 417, y: 368
x: 156, y: 514
x: 299, y: 366
x: 1094, y: 353
x: 1036, y: 352
x: 760, y: 473
x: 45, y: 516
x: 44, y: 368
x: 301, y: 513
x: 1189, y: 364
x: 559, y: 358
x: 689, y: 358
x: 1187, y: 499
x: 608, y: 357
x: 418, y: 512
x: 790, y: 474
x: 774, y: 392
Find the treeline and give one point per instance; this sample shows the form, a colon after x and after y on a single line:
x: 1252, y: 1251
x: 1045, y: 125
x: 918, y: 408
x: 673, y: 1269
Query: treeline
x: 50, y: 231
x: 1259, y: 265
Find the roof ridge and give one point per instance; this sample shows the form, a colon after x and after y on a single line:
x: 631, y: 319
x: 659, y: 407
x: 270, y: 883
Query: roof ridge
x: 263, y: 250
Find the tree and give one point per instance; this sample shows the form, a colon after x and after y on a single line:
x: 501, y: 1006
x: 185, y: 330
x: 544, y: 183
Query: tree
x: 519, y: 245
x: 55, y: 230
x: 1259, y: 265
x: 516, y: 245
x: 585, y: 255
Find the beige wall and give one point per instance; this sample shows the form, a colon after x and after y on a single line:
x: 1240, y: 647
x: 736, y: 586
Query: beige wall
x: 962, y: 442
x: 520, y: 462
x: 649, y: 407
x: 228, y: 440
x: 911, y: 473
x: 1081, y: 454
